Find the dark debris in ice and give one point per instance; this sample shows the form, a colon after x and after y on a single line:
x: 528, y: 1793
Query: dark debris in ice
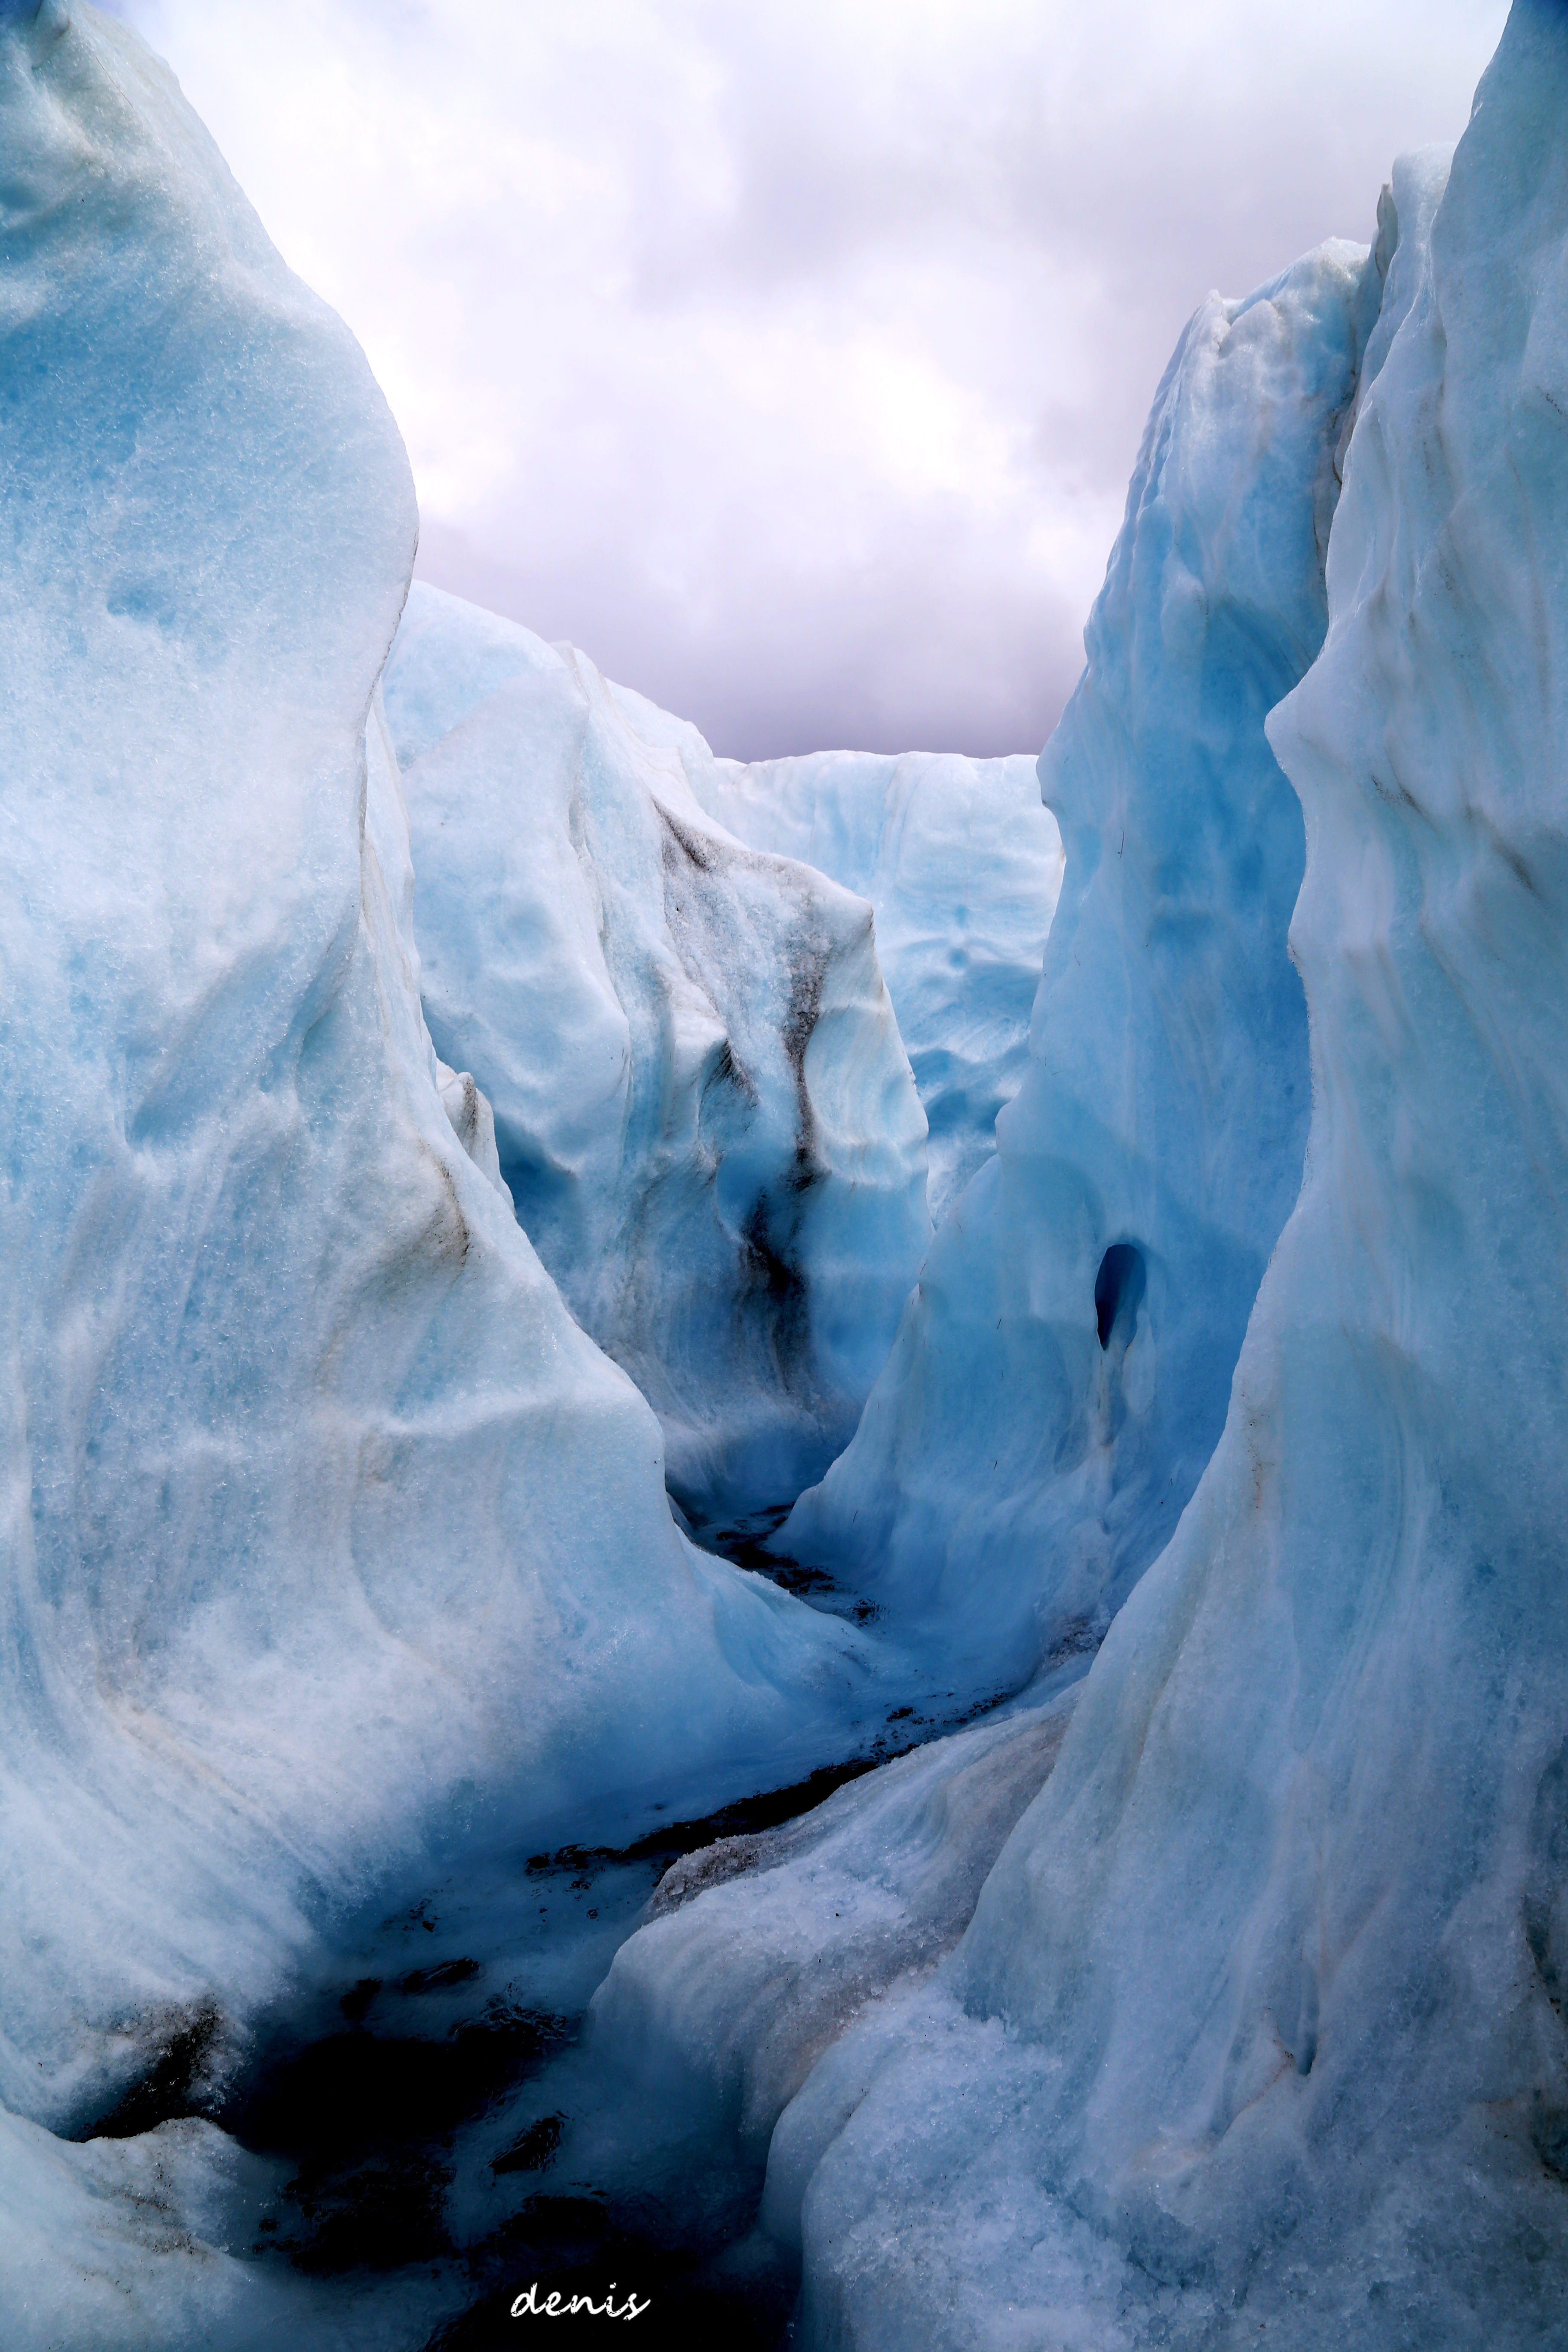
x: 533, y: 2151
x: 745, y: 1543
x: 176, y: 2083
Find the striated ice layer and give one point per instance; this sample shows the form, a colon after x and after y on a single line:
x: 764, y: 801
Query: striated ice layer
x: 702, y: 1107
x: 1257, y: 2034
x: 1060, y: 1376
x: 329, y: 1545
x: 963, y: 865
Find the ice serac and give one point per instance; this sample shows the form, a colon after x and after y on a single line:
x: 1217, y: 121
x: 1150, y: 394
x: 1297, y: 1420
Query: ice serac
x: 1061, y: 1375
x: 1258, y: 2030
x: 325, y: 1531
x: 963, y: 862
x: 702, y: 1107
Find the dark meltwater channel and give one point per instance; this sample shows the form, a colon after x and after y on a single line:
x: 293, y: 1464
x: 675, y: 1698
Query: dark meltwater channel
x: 443, y: 2121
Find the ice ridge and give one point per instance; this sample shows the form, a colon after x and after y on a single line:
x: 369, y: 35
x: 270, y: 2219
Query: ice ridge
x: 329, y: 1539
x: 1256, y: 2033
x: 1061, y: 1374
x: 703, y: 1108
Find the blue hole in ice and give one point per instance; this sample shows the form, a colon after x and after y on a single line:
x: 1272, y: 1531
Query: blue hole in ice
x: 1119, y: 1291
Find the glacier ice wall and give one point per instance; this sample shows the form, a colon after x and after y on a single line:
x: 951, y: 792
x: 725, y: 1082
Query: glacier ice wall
x: 1061, y: 1375
x: 758, y: 1952
x: 963, y: 862
x: 1257, y: 2034
x: 328, y: 1539
x: 702, y: 1107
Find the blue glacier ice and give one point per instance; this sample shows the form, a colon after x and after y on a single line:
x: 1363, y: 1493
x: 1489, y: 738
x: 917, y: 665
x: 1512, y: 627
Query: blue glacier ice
x: 738, y: 2024
x: 738, y: 1231
x: 1061, y: 1376
x: 1209, y: 1992
x: 703, y: 1106
x: 757, y: 1953
x: 1258, y: 2032
x: 958, y: 858
x: 332, y: 1548
x: 963, y: 862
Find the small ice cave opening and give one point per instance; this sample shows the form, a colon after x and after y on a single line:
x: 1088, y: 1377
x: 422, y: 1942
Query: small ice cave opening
x: 1118, y: 1291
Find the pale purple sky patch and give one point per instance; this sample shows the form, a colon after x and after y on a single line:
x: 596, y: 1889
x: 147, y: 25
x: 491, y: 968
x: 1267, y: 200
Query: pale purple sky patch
x: 792, y: 359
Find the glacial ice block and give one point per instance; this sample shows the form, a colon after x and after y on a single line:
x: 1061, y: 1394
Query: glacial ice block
x: 1061, y: 1374
x: 703, y: 1108
x: 328, y: 1539
x: 1257, y: 2034
x: 963, y: 862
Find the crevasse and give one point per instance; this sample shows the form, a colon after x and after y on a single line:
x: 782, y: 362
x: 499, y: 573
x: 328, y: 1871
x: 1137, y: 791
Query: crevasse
x: 1207, y: 1994
x: 1061, y: 1374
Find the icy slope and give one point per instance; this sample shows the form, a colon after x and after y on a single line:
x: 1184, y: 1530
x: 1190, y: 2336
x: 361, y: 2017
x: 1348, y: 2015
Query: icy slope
x: 757, y: 1951
x: 963, y: 865
x: 1258, y: 2035
x: 329, y: 1539
x: 1061, y: 1376
x: 753, y: 1955
x: 702, y: 1107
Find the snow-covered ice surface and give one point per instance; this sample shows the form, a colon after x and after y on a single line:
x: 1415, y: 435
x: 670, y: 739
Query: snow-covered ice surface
x: 703, y: 1106
x: 1060, y: 1378
x: 1257, y: 2034
x: 332, y: 1550
x: 962, y: 862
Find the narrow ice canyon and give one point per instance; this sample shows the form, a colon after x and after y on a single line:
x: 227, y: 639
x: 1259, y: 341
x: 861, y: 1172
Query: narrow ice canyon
x: 781, y: 1539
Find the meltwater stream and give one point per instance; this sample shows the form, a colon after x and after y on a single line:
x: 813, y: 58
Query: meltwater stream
x: 457, y: 2124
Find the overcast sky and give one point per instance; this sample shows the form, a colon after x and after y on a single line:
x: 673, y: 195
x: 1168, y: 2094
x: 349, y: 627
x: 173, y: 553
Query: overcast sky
x: 791, y: 355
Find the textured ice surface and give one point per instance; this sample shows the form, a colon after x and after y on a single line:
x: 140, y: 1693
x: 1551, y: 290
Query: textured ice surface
x: 328, y: 1541
x: 1258, y: 2032
x: 1061, y: 1376
x: 703, y: 1108
x: 760, y: 1950
x: 963, y: 862
x: 334, y: 1557
x: 473, y: 1122
x: 756, y: 1953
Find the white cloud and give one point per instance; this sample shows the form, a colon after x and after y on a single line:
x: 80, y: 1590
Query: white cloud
x: 792, y: 356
